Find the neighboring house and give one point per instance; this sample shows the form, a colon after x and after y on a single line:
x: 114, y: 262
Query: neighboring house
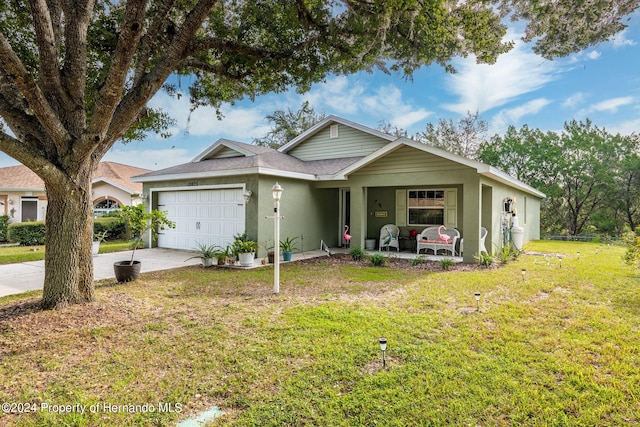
x: 23, y: 196
x: 336, y: 173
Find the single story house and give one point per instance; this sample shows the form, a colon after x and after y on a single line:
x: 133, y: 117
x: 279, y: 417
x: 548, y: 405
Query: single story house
x: 334, y: 174
x: 23, y: 196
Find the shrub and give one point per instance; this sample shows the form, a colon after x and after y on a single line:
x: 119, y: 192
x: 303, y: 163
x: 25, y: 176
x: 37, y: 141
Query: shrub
x: 357, y: 253
x: 4, y: 224
x: 113, y: 227
x: 417, y: 260
x: 484, y: 259
x: 632, y: 240
x: 445, y: 263
x: 507, y: 253
x: 27, y: 233
x: 378, y: 260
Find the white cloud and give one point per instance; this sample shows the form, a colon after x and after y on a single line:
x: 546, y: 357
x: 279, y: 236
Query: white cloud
x: 574, y: 100
x: 594, y: 54
x: 620, y: 40
x: 512, y: 116
x: 481, y: 87
x: 625, y: 128
x: 609, y: 105
x: 347, y: 96
x: 237, y: 122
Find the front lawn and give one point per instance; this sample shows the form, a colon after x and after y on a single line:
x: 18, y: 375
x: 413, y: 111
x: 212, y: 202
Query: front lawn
x: 559, y: 347
x: 14, y: 254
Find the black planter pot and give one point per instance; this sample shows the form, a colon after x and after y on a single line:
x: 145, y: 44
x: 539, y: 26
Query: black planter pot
x: 126, y: 272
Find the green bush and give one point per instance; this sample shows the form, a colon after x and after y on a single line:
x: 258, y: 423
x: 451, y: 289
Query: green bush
x: 27, y: 233
x: 378, y: 260
x: 4, y: 224
x: 417, y: 260
x: 445, y: 263
x: 114, y: 227
x: 484, y: 259
x: 357, y: 253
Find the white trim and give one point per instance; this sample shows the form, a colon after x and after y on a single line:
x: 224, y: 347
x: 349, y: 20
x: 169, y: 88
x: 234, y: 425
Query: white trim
x: 228, y: 172
x: 332, y: 119
x: 218, y: 145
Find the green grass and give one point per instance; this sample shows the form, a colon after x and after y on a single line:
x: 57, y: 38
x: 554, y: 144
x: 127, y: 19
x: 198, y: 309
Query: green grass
x: 15, y: 254
x: 559, y: 348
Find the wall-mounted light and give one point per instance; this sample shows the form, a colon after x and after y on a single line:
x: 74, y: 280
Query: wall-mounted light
x: 143, y: 196
x: 247, y: 195
x: 10, y: 201
x: 383, y: 347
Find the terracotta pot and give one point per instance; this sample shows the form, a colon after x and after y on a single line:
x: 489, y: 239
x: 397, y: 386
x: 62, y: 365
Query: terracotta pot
x: 126, y: 272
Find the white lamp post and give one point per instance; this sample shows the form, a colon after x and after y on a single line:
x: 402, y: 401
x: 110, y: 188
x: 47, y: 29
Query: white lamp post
x: 276, y: 191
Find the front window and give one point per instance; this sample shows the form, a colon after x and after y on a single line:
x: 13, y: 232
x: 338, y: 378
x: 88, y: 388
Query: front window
x: 104, y: 207
x: 426, y: 207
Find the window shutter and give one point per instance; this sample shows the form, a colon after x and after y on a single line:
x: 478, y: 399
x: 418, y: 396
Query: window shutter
x: 451, y: 211
x: 401, y: 208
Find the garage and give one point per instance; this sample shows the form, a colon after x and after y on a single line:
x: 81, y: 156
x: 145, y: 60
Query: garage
x: 210, y: 217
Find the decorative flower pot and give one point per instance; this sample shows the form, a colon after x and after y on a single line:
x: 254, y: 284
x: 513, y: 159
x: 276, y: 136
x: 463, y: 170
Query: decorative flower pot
x: 126, y: 272
x: 286, y: 256
x: 246, y: 259
x: 95, y: 248
x: 207, y: 262
x: 271, y: 257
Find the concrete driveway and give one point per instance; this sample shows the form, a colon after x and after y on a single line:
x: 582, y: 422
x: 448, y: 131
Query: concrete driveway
x: 28, y: 276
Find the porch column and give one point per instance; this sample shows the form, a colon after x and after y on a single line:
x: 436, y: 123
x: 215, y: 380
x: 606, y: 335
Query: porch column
x: 358, y: 226
x: 472, y: 202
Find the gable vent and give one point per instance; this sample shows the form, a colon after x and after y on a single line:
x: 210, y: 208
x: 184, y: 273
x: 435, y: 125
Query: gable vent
x: 333, y: 131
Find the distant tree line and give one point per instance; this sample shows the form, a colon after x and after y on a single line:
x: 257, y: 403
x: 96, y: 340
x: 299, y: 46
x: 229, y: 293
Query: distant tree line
x: 590, y: 176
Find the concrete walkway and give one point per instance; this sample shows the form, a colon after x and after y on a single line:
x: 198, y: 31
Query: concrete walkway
x: 28, y: 276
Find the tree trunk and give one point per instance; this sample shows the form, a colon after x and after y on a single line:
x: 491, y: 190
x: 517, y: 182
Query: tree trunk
x: 69, y: 233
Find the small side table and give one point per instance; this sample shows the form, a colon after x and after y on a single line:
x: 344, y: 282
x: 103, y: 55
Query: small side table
x: 408, y: 243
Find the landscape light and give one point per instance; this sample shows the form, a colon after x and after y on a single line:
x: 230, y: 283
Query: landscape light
x: 477, y: 295
x: 383, y: 347
x: 523, y: 273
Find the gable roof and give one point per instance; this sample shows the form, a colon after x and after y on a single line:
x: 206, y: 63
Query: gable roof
x: 481, y: 168
x: 216, y: 161
x: 230, y: 158
x: 329, y: 120
x: 224, y: 148
x: 21, y: 178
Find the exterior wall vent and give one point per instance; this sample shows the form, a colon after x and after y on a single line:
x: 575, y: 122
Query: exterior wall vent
x: 333, y: 132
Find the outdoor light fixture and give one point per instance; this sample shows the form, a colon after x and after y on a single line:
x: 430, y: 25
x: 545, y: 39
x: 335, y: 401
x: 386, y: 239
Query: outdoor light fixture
x: 383, y: 347
x: 578, y: 254
x: 247, y: 195
x: 477, y: 295
x: 523, y: 273
x: 560, y: 258
x: 276, y: 191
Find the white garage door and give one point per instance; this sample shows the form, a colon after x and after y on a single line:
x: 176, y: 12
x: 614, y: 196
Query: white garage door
x: 210, y: 217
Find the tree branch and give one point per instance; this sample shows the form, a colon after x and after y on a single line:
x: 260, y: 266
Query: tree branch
x: 135, y: 100
x: 47, y: 51
x: 74, y: 74
x: 111, y: 92
x: 14, y: 71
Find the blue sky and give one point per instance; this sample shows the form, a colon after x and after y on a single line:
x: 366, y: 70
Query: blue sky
x: 601, y: 83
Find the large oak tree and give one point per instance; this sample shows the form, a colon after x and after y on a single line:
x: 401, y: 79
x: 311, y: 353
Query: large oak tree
x: 76, y: 75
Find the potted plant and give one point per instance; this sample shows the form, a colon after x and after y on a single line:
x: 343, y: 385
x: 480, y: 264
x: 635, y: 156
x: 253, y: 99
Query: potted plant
x: 138, y: 222
x: 246, y: 250
x: 221, y: 256
x: 206, y: 253
x: 288, y: 246
x: 97, y: 238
